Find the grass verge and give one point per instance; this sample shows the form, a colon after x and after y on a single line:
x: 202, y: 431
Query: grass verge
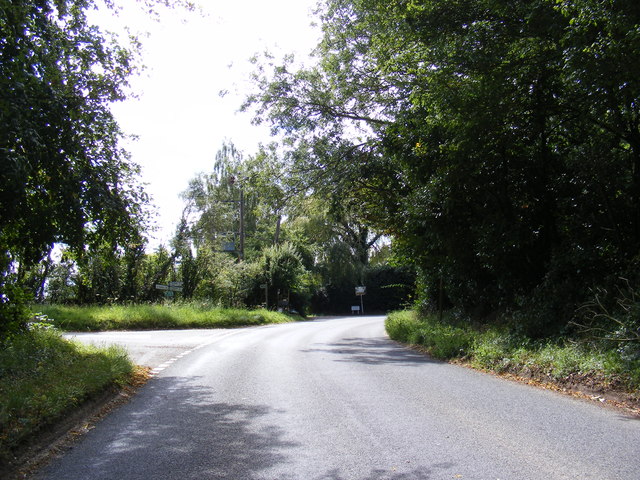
x: 43, y: 377
x: 149, y: 316
x: 500, y: 350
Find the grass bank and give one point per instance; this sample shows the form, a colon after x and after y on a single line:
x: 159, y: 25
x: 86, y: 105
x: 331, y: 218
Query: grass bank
x: 150, y: 316
x: 499, y: 349
x: 43, y: 377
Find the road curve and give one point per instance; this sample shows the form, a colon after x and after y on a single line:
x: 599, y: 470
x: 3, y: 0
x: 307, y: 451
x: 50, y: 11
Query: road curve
x: 335, y: 399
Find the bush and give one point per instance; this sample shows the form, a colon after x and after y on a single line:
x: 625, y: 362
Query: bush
x: 401, y: 326
x: 613, y: 320
x: 14, y: 310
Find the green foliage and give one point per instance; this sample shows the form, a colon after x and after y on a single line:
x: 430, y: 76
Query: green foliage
x: 310, y: 248
x: 170, y: 316
x: 613, y: 320
x: 43, y: 376
x: 401, y: 326
x: 235, y: 282
x: 500, y: 141
x: 65, y: 177
x: 500, y: 348
x: 282, y: 267
x: 14, y: 309
x: 441, y: 340
x: 388, y: 288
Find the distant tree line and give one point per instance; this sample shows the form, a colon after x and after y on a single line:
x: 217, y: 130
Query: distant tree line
x: 299, y: 253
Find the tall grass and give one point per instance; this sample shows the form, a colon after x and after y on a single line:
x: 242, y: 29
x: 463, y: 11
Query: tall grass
x: 499, y: 349
x: 43, y: 376
x: 149, y: 316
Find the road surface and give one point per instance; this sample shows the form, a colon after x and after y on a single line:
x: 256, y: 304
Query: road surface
x: 335, y: 399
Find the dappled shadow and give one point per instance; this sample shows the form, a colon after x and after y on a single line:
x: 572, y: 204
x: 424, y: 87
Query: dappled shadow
x: 372, y: 351
x: 172, y: 430
x: 179, y: 433
x: 419, y: 473
x: 630, y: 417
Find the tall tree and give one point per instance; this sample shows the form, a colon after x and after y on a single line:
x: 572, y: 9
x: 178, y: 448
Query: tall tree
x: 65, y: 178
x: 495, y: 140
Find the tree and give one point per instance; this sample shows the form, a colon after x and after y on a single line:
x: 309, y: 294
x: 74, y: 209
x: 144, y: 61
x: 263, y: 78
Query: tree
x: 495, y: 141
x: 213, y: 200
x: 282, y: 269
x: 65, y: 178
x: 62, y: 286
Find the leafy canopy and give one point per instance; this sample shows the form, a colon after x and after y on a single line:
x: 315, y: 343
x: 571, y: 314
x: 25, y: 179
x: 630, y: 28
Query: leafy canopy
x: 498, y: 142
x: 65, y: 177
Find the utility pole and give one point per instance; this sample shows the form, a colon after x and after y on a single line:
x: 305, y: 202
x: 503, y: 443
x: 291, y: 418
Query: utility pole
x: 241, y: 222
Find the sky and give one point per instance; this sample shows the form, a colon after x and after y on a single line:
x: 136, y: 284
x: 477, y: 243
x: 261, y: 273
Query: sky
x: 179, y: 118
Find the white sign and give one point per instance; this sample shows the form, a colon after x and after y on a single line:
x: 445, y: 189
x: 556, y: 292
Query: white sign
x: 175, y: 284
x: 361, y: 290
x: 162, y: 287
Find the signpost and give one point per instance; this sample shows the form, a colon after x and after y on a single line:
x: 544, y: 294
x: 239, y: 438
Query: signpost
x: 265, y: 287
x: 170, y: 289
x: 360, y: 292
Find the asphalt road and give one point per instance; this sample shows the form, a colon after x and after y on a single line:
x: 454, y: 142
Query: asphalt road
x: 335, y: 399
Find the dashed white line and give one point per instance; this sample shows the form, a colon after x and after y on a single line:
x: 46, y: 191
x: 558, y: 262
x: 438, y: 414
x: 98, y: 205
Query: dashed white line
x: 168, y: 363
x: 163, y: 366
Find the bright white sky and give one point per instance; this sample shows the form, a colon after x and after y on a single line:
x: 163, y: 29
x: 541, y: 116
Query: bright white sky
x: 180, y: 119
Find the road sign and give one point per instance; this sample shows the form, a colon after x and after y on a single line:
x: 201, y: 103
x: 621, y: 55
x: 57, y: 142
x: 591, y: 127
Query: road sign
x: 172, y: 287
x: 360, y: 291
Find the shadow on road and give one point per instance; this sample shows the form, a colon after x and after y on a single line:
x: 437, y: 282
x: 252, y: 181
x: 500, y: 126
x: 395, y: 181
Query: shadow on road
x: 372, y: 351
x: 420, y: 473
x: 173, y: 430
x: 180, y: 433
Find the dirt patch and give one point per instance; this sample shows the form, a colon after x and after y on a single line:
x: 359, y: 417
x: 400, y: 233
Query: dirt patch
x: 55, y: 439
